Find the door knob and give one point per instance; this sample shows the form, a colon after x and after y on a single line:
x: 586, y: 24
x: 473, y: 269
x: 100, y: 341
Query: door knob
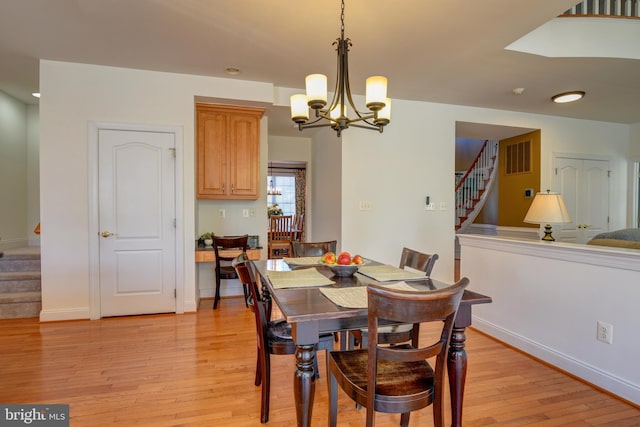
x: 107, y: 234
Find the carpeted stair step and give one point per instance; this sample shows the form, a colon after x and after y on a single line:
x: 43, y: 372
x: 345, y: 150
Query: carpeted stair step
x: 20, y: 305
x: 20, y: 281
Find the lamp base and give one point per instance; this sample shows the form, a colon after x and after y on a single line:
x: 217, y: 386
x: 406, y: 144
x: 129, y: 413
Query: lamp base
x: 547, y: 234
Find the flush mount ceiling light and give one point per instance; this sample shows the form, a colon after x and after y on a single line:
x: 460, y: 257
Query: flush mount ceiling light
x: 565, y: 97
x: 335, y: 115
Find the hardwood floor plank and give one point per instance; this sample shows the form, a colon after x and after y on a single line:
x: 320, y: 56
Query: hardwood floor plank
x: 197, y: 369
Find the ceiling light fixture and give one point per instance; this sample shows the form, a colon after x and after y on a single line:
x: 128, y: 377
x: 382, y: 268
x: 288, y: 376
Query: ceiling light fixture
x: 335, y: 115
x: 563, y: 98
x: 272, y: 191
x: 36, y: 94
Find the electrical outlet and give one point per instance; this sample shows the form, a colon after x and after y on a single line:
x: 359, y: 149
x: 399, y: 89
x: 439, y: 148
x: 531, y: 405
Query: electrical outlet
x: 222, y: 213
x: 604, y: 332
x: 252, y: 212
x: 443, y: 206
x: 430, y: 207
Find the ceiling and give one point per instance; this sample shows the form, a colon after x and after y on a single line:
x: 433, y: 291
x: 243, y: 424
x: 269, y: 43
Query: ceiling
x: 439, y: 51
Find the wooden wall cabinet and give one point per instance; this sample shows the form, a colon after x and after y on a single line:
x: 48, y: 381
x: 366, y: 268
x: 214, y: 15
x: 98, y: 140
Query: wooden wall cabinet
x: 228, y: 152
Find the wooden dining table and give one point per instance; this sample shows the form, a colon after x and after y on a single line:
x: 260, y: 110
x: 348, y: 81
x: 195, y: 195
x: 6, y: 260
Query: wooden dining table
x: 310, y: 314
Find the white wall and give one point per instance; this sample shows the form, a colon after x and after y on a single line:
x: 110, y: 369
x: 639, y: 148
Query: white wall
x: 395, y: 170
x: 548, y: 298
x: 13, y: 172
x: 72, y: 96
x: 33, y: 173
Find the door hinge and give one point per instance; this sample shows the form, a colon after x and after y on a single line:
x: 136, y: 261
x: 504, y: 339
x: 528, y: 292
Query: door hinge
x: 175, y: 293
x: 556, y: 171
x: 175, y: 223
x: 608, y: 174
x: 173, y: 152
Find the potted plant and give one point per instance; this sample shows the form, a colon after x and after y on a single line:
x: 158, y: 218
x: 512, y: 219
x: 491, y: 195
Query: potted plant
x: 206, y: 238
x: 273, y: 209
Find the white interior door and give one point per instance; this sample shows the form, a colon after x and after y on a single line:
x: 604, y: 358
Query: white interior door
x: 584, y: 185
x: 136, y: 186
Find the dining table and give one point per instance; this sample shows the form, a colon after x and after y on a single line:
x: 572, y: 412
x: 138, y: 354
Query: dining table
x: 296, y: 286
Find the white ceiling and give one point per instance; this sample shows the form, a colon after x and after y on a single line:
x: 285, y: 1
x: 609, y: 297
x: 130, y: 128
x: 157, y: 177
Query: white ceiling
x: 439, y: 51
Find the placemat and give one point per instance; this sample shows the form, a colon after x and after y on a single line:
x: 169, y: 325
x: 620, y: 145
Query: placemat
x: 356, y: 296
x: 305, y: 260
x: 385, y: 273
x: 297, y: 278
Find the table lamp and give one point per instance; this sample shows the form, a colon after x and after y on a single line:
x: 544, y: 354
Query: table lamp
x: 547, y: 208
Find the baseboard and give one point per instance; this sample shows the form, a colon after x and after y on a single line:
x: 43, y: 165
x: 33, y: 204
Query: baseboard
x: 6, y: 244
x: 588, y: 373
x: 79, y: 313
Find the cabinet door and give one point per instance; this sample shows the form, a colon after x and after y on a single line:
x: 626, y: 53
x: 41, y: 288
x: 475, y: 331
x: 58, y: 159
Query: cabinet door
x: 244, y: 155
x: 212, y: 154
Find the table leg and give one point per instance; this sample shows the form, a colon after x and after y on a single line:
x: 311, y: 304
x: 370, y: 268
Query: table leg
x: 304, y: 383
x: 457, y: 367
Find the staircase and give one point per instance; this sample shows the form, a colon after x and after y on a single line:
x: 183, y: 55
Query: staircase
x: 20, y: 294
x: 474, y: 185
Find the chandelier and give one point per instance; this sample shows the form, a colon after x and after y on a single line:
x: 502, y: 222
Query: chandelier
x: 272, y: 190
x: 335, y: 115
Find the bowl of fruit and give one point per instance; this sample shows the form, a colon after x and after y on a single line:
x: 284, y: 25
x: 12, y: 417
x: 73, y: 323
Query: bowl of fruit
x: 342, y: 265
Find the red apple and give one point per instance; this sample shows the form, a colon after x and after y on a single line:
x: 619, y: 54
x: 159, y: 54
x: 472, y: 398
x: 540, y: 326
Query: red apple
x: 344, y: 258
x: 357, y: 259
x: 328, y: 258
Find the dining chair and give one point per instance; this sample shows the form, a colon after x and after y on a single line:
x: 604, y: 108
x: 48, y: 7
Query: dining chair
x: 273, y: 337
x: 224, y: 269
x: 395, y: 334
x: 280, y: 235
x: 398, y: 379
x: 298, y: 228
x: 304, y: 249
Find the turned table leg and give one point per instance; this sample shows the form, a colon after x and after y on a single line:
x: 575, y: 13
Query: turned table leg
x: 457, y: 367
x: 304, y: 383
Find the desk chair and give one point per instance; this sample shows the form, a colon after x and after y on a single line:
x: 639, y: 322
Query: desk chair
x: 303, y: 249
x: 398, y: 379
x: 400, y: 333
x: 224, y: 270
x: 273, y: 337
x: 280, y: 236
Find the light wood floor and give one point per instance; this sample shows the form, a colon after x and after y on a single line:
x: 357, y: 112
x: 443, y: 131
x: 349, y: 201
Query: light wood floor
x: 198, y: 370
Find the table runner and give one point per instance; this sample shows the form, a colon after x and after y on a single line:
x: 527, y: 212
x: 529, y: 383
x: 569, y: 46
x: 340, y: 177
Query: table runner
x: 356, y: 297
x: 386, y: 273
x: 298, y: 278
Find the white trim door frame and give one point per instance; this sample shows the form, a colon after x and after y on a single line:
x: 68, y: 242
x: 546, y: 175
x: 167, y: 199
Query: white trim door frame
x: 94, y: 129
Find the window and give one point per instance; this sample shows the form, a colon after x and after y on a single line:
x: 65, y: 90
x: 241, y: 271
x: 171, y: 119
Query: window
x: 287, y: 186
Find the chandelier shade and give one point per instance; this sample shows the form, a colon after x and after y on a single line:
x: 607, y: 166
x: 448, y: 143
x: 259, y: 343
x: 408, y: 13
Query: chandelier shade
x: 335, y: 113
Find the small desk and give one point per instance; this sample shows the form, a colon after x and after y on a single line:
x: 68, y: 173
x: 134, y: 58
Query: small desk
x: 208, y: 255
x: 311, y: 314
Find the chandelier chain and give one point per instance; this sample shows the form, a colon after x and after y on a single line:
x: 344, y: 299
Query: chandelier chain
x: 342, y: 21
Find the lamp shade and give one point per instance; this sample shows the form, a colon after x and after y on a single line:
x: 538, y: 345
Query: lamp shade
x: 547, y: 208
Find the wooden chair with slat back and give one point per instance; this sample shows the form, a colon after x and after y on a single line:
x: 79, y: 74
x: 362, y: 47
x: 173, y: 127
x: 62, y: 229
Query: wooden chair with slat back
x: 273, y: 337
x: 224, y: 269
x: 280, y: 236
x: 304, y: 249
x: 398, y: 379
x: 298, y: 228
x: 395, y: 334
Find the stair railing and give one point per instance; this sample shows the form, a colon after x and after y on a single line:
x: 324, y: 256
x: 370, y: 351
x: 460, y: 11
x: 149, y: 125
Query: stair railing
x: 473, y: 184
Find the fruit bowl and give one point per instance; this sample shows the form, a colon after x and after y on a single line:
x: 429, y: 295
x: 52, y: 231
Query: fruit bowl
x: 343, y: 270
x: 344, y: 265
